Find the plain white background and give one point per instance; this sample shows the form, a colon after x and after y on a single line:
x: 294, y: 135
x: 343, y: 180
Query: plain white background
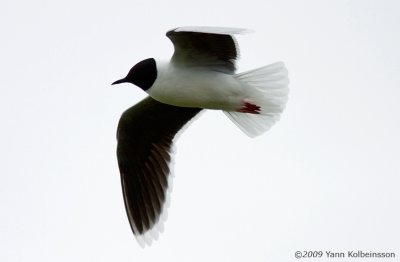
x: 326, y: 177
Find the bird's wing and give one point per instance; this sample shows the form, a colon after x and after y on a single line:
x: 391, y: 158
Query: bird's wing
x: 213, y: 47
x: 145, y: 136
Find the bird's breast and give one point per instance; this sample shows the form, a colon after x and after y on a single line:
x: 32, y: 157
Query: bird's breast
x: 196, y: 87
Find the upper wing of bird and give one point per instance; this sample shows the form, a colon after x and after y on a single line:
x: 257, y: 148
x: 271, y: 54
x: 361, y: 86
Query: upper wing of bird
x: 145, y: 135
x: 205, y: 46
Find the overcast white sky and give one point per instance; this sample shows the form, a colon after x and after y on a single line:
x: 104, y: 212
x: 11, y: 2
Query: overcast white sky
x: 326, y: 177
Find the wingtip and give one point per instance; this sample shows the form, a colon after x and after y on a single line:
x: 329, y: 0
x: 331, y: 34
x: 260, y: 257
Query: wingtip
x: 211, y: 30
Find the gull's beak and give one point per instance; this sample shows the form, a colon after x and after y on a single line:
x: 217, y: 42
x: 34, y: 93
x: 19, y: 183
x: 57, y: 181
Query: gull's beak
x: 119, y: 81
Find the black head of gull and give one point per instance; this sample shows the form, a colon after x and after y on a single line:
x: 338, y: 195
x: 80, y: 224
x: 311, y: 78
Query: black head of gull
x: 143, y: 74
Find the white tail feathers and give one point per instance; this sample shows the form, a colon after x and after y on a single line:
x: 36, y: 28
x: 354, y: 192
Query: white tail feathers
x: 268, y: 89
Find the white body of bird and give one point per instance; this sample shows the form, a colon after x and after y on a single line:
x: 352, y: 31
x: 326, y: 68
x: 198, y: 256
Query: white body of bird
x: 253, y: 100
x: 196, y: 87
